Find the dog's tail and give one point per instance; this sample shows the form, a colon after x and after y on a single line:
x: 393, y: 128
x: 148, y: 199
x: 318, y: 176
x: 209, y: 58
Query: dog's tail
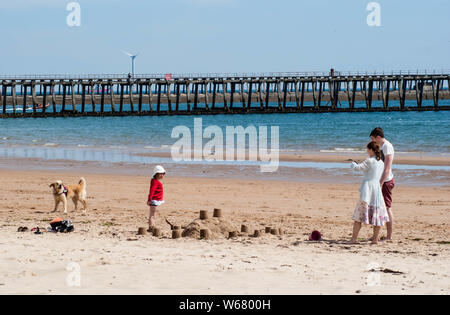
x: 82, y: 182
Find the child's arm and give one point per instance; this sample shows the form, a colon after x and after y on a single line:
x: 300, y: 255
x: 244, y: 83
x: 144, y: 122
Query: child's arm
x: 151, y: 192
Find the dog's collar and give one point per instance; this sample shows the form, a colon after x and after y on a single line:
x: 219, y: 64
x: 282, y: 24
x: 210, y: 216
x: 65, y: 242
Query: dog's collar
x: 64, y: 191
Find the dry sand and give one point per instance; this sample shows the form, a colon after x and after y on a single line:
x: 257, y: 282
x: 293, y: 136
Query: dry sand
x: 114, y: 260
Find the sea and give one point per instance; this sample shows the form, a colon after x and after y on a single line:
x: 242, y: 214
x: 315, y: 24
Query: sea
x: 132, y: 139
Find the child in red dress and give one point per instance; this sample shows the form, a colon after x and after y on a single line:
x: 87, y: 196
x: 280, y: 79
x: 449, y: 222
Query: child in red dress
x: 156, y: 194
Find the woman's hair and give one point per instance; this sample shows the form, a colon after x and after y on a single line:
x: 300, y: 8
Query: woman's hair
x: 375, y: 148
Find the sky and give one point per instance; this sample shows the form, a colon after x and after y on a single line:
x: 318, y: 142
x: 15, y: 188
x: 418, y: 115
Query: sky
x: 212, y: 36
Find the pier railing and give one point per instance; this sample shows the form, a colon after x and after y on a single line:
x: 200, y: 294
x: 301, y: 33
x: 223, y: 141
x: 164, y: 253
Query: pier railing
x: 215, y: 93
x: 163, y: 76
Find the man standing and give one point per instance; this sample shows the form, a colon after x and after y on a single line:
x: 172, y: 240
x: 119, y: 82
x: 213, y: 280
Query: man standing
x: 387, y: 180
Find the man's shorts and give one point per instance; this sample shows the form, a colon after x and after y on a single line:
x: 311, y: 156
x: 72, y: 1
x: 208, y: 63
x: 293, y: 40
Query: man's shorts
x: 387, y: 189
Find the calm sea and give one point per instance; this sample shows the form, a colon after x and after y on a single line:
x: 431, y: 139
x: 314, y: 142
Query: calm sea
x: 415, y: 132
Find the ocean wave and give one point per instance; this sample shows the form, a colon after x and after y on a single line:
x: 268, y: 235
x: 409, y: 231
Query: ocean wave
x: 50, y: 144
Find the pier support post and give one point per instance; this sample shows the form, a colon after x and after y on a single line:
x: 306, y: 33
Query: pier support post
x: 72, y: 88
x: 250, y: 91
x: 140, y: 86
x: 53, y: 97
x: 436, y: 87
x: 242, y: 85
x: 177, y: 100
x: 93, y: 96
x: 4, y: 95
x: 233, y: 90
x: 102, y: 99
x: 386, y: 87
x: 285, y: 86
x: 214, y: 95
x: 267, y: 94
x: 130, y: 86
x: 111, y: 93
x: 150, y: 97
x: 206, y: 95
x: 44, y: 99
x: 83, y: 98
x: 122, y: 88
x: 13, y: 95
x: 278, y: 86
x: 402, y: 92
x: 224, y: 92
x: 260, y: 97
x: 24, y: 99
x: 419, y: 92
x: 33, y: 96
x: 188, y: 99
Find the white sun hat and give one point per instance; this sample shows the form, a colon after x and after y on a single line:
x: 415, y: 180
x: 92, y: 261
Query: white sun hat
x: 158, y: 170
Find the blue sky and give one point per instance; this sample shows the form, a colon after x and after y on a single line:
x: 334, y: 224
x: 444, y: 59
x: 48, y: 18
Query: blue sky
x: 179, y: 36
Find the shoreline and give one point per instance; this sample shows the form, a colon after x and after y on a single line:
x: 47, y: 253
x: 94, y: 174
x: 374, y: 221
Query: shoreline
x: 419, y: 159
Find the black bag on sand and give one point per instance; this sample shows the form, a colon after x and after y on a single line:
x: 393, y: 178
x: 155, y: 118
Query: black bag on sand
x: 62, y: 226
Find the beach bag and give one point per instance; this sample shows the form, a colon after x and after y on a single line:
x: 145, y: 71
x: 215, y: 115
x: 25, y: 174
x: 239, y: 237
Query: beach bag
x: 62, y: 226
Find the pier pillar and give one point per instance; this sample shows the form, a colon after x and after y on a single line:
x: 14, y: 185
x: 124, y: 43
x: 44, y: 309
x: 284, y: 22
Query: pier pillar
x: 206, y: 95
x: 436, y: 87
x: 44, y: 99
x: 92, y: 85
x: 169, y: 95
x: 278, y: 86
x: 24, y: 99
x: 73, y: 96
x: 33, y: 95
x: 419, y: 92
x: 158, y: 104
x: 102, y: 99
x: 214, y: 95
x: 177, y: 100
x: 122, y: 88
x: 188, y: 98
x: 63, y: 101
x: 386, y: 87
x: 150, y: 96
x: 111, y: 93
x: 4, y: 95
x: 267, y: 94
x: 53, y: 96
x: 130, y: 86
x: 140, y: 86
x: 250, y: 91
x: 83, y: 98
x: 195, y: 96
x: 13, y: 95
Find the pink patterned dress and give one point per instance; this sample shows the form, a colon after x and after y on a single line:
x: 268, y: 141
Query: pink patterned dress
x: 371, y: 209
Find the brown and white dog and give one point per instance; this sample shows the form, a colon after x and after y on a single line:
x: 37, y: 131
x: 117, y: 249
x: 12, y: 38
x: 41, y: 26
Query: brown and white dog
x: 62, y: 193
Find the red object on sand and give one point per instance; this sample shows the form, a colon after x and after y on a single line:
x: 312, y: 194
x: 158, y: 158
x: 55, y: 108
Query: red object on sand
x: 315, y: 236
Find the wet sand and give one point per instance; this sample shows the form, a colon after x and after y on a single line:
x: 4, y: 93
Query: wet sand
x: 114, y: 260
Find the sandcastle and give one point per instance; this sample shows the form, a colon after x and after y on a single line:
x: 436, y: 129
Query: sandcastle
x: 217, y: 227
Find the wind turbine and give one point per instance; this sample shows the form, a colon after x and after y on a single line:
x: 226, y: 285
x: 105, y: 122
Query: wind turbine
x: 132, y: 60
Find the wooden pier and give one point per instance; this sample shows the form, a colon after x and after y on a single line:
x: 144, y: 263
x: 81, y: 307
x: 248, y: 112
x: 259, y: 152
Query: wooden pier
x: 121, y: 95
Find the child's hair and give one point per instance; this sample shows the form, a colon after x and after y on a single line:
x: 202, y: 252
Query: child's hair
x: 377, y: 132
x: 375, y: 148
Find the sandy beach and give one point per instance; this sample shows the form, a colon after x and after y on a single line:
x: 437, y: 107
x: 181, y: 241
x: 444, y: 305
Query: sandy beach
x: 113, y: 259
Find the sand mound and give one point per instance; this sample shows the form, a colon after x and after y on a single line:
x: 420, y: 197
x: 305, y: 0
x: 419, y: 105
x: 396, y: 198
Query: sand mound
x: 219, y: 228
